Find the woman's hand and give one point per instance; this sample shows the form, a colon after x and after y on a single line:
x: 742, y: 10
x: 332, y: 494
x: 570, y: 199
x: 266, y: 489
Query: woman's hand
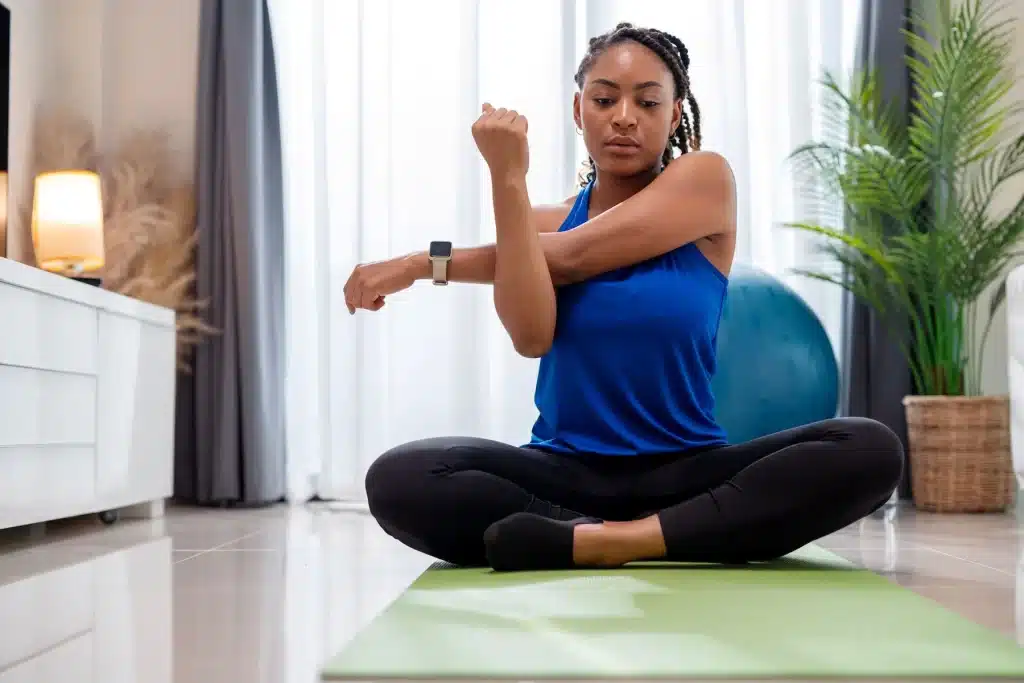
x: 369, y: 283
x: 500, y: 135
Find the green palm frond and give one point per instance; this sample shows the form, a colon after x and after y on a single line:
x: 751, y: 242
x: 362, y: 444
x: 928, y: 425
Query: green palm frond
x: 922, y: 237
x: 959, y: 81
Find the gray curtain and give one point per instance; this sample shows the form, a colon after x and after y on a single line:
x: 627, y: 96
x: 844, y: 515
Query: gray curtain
x: 230, y: 418
x: 875, y: 375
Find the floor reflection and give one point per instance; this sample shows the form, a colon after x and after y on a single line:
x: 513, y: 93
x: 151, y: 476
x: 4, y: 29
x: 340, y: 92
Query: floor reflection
x: 268, y: 595
x: 972, y: 564
x: 88, y: 609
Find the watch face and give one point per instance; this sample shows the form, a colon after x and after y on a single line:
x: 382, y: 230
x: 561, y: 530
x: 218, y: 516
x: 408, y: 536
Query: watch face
x: 440, y: 250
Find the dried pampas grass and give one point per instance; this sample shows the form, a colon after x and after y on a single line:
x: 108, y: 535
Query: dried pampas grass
x: 149, y: 218
x: 63, y: 142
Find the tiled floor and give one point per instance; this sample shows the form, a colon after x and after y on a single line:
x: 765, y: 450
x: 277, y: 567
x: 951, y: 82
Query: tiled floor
x: 206, y: 596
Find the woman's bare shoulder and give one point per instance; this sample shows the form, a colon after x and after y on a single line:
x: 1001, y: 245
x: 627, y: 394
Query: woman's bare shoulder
x: 549, y: 217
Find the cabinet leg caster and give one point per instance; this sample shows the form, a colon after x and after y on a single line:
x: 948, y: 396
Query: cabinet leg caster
x: 108, y: 517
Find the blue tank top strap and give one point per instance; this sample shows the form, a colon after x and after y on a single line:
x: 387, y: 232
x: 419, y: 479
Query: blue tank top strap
x: 633, y: 357
x: 580, y: 212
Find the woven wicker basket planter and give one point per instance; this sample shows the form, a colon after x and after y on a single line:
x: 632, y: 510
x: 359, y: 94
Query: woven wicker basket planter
x: 960, y: 457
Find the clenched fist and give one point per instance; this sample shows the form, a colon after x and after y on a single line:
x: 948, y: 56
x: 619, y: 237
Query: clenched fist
x: 369, y: 283
x: 500, y: 135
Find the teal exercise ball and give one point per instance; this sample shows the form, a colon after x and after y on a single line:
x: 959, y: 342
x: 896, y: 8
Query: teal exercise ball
x: 776, y: 366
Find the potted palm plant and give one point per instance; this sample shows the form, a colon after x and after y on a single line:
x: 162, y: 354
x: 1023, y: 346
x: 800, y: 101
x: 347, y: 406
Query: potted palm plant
x: 926, y: 231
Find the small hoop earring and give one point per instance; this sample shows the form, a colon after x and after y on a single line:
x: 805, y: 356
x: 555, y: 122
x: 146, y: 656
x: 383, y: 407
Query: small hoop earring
x: 579, y: 131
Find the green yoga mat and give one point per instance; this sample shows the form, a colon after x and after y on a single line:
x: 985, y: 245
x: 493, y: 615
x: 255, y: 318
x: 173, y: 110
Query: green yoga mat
x: 811, y: 615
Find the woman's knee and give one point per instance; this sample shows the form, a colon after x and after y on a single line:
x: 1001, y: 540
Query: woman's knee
x: 398, y: 477
x: 407, y: 498
x: 878, y: 448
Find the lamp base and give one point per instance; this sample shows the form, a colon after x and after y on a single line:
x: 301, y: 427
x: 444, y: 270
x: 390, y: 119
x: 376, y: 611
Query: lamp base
x: 74, y: 271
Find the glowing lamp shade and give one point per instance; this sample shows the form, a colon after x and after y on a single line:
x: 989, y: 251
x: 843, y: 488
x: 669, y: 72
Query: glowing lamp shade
x: 67, y: 222
x: 3, y: 212
x: 3, y: 200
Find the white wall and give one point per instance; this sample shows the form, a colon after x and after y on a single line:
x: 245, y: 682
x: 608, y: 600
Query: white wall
x: 149, y: 62
x: 123, y: 64
x: 72, y: 34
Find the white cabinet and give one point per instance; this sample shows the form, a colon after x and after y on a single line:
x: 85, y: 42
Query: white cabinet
x: 87, y: 381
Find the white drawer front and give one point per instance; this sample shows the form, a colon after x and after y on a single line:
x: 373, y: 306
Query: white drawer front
x: 43, y: 407
x: 45, y: 332
x: 41, y: 478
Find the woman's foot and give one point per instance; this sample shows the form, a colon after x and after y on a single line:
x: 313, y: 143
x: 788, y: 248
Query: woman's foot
x: 613, y: 544
x: 525, y: 541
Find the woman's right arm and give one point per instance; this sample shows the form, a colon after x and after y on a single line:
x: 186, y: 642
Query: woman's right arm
x: 370, y: 283
x: 476, y: 264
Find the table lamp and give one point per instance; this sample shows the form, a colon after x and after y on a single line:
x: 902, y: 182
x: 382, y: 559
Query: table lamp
x: 67, y: 223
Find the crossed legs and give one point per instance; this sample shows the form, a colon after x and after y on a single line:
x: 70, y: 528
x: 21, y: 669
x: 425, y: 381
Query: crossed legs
x: 472, y: 501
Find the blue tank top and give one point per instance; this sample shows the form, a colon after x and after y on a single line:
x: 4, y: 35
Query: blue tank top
x: 630, y: 368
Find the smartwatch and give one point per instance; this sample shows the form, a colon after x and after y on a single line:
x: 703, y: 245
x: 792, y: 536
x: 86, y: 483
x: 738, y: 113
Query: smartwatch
x: 440, y: 254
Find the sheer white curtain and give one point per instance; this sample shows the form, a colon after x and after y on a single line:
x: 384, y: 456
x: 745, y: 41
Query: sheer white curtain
x: 377, y: 99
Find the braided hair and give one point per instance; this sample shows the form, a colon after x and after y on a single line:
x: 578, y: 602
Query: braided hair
x: 673, y: 52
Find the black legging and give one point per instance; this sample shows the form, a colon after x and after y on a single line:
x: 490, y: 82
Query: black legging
x: 749, y: 502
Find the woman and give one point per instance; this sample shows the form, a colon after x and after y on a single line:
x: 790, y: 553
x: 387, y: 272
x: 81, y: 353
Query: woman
x: 618, y: 291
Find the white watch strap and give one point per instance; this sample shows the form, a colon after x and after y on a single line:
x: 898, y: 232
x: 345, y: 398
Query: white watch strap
x: 439, y: 267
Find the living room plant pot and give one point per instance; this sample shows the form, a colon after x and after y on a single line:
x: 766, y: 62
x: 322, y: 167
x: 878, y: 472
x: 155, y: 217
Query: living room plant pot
x: 960, y: 459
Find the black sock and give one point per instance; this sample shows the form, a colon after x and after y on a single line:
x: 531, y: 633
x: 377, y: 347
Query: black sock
x: 525, y: 541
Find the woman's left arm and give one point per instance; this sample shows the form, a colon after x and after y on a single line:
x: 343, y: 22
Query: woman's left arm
x: 693, y: 198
